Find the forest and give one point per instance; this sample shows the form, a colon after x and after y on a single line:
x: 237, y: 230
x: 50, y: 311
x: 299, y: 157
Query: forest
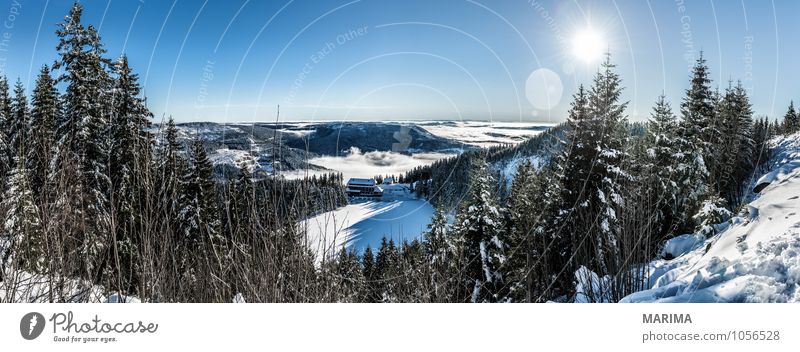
x: 99, y: 200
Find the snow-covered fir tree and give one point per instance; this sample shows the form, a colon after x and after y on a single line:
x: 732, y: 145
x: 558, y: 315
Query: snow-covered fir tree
x: 479, y: 224
x: 82, y: 133
x: 441, y: 255
x: 659, y: 170
x: 22, y: 223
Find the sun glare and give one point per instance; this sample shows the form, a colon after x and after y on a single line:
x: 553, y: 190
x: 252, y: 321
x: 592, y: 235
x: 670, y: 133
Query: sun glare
x: 588, y: 45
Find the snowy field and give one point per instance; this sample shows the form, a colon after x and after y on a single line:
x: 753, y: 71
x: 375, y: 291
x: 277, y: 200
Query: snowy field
x: 359, y: 225
x: 754, y: 258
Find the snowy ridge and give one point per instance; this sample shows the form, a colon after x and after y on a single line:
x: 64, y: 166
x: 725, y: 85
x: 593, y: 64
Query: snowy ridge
x: 754, y: 257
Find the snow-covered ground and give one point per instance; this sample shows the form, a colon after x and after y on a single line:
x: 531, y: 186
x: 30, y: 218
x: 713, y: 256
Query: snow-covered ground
x: 755, y: 257
x: 484, y: 133
x: 359, y: 225
x: 234, y: 158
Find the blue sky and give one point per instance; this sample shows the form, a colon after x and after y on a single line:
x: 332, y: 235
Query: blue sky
x: 236, y: 60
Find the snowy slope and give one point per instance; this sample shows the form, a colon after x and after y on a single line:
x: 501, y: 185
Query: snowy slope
x: 358, y: 225
x: 755, y: 258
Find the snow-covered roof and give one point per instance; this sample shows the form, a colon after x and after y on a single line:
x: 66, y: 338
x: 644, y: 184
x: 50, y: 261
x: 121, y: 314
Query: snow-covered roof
x: 361, y: 182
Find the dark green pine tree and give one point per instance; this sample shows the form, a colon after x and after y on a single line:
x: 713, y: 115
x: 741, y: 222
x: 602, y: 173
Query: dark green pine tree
x: 20, y: 121
x: 387, y: 272
x: 171, y: 167
x: 204, y: 247
x: 129, y: 160
x: 524, y: 215
x: 738, y: 161
x: 479, y: 224
x: 45, y: 112
x: 790, y: 120
x: 83, y: 136
x: 368, y: 294
x: 6, y: 112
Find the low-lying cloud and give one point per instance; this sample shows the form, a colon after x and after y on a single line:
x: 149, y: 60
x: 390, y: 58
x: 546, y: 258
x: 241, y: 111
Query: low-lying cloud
x: 360, y: 164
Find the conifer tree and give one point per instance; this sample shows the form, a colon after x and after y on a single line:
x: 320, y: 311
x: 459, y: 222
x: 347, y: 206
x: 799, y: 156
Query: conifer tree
x: 19, y: 122
x: 479, y: 223
x: 440, y: 256
x: 790, y: 120
x: 82, y: 135
x: 44, y: 115
x: 22, y: 223
x: 659, y: 172
x: 6, y: 111
x: 524, y: 215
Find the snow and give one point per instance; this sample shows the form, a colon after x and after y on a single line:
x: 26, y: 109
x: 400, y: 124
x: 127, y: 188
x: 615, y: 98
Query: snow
x: 234, y: 158
x: 752, y: 258
x: 682, y: 244
x: 359, y: 225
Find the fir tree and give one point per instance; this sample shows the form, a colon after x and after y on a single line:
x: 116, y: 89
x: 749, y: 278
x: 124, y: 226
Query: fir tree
x: 592, y: 175
x: 698, y: 111
x: 479, y: 223
x: 82, y: 133
x: 524, y: 215
x: 790, y: 120
x: 659, y: 172
x: 738, y: 159
x: 44, y: 114
x: 6, y: 110
x: 440, y: 256
x: 22, y: 223
x: 19, y: 122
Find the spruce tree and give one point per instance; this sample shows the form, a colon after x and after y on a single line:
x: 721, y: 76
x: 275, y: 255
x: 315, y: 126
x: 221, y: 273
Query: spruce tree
x: 592, y: 177
x: 6, y: 111
x: 790, y: 120
x: 440, y: 256
x: 22, y: 223
x: 83, y: 136
x: 524, y: 215
x: 45, y: 112
x: 659, y: 172
x: 19, y: 123
x: 479, y: 223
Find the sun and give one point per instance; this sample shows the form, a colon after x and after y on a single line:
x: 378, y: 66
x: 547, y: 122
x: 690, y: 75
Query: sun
x: 588, y: 45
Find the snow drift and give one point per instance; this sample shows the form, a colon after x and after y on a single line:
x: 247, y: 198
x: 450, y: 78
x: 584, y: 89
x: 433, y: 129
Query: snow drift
x: 754, y: 258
